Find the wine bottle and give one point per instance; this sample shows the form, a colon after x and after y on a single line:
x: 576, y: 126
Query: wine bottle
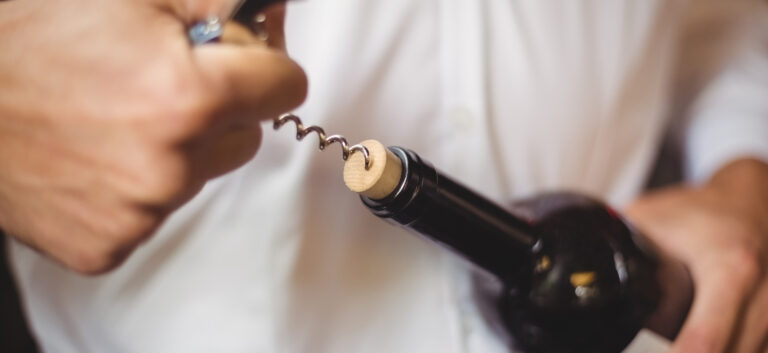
x: 576, y: 277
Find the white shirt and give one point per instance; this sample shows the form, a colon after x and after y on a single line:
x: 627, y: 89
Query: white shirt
x: 511, y: 97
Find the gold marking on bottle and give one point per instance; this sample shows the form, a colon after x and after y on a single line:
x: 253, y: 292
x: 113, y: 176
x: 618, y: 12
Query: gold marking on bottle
x: 583, y: 279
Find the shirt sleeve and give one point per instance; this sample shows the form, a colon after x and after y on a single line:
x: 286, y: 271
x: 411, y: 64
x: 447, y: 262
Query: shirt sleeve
x: 729, y: 120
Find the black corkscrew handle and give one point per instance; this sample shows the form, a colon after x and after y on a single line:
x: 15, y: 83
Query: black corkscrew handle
x: 249, y: 9
x: 211, y: 28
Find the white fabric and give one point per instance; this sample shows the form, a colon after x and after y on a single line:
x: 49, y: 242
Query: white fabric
x: 511, y: 97
x: 729, y: 119
x: 647, y: 341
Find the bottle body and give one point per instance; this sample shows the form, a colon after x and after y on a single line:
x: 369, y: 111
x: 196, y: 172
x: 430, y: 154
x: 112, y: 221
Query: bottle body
x: 593, y: 283
x: 574, y: 277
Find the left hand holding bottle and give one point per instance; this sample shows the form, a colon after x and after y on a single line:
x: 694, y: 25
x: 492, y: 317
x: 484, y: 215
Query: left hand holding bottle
x: 720, y: 232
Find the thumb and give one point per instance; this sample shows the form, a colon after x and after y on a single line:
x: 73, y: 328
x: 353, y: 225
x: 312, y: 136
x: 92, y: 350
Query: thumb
x: 251, y: 82
x: 718, y: 302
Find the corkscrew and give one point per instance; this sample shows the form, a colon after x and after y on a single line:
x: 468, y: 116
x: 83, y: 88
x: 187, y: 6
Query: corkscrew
x: 247, y: 13
x: 324, y: 140
x: 577, y: 279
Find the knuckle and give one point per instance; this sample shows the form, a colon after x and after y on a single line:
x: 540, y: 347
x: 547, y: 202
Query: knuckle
x: 745, y: 263
x: 166, y: 176
x: 159, y: 177
x: 164, y: 188
x: 190, y: 114
x: 128, y: 231
x: 110, y: 247
x: 180, y: 106
x: 96, y: 259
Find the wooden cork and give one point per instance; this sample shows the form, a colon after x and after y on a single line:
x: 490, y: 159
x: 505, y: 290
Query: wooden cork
x: 380, y: 179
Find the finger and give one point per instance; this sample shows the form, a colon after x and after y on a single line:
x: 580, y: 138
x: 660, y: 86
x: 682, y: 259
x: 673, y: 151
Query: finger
x: 235, y: 33
x: 231, y: 150
x: 251, y: 82
x: 718, y: 301
x: 88, y: 248
x: 754, y: 332
x: 677, y: 294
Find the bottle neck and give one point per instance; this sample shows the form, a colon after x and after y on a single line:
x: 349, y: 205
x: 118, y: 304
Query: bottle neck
x: 433, y: 205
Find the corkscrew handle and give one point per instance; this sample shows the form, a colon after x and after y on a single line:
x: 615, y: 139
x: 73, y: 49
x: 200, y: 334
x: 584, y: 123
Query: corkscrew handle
x: 247, y: 10
x: 245, y: 13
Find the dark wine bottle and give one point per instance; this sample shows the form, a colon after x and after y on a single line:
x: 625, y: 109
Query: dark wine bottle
x: 575, y: 276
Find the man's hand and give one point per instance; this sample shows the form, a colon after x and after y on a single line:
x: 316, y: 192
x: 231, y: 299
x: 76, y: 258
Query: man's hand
x: 720, y: 231
x: 110, y: 120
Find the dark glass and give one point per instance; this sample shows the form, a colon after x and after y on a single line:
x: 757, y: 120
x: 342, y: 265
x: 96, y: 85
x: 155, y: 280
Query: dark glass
x: 248, y: 10
x: 14, y: 332
x: 575, y: 277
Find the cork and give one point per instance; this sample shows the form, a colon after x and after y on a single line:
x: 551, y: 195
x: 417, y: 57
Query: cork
x: 381, y: 179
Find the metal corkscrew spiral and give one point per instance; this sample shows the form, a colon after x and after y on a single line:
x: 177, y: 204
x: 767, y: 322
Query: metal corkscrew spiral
x: 324, y: 140
x: 247, y: 13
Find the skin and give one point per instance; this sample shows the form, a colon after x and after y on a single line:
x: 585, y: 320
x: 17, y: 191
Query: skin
x: 111, y: 122
x: 719, y: 231
x: 133, y: 121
